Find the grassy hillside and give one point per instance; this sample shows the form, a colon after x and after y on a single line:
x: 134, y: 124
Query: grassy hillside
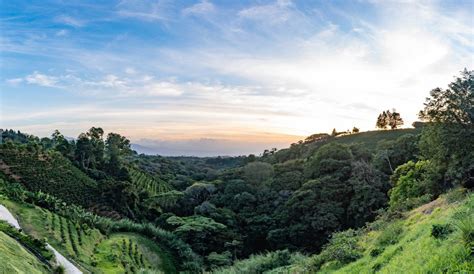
x: 88, y: 248
x: 15, y: 259
x: 437, y: 237
x: 370, y: 138
x: 411, y: 243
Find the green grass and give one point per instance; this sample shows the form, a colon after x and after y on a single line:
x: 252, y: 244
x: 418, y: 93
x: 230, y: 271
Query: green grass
x: 369, y: 139
x: 271, y: 262
x: 98, y: 253
x: 128, y: 252
x: 15, y: 259
x: 414, y: 249
x: 408, y: 246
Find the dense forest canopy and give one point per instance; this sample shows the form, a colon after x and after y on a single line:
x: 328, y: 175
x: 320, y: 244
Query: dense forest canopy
x: 220, y: 210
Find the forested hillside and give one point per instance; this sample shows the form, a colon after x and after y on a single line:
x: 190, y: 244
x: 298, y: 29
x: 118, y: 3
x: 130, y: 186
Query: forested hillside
x: 359, y: 202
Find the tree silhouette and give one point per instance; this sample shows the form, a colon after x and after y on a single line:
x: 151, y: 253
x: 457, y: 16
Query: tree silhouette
x: 389, y: 119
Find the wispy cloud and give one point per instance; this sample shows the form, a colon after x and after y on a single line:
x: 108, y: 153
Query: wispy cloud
x: 168, y: 70
x: 70, y: 21
x: 62, y: 32
x: 144, y: 10
x: 203, y: 7
x: 39, y: 79
x: 277, y: 12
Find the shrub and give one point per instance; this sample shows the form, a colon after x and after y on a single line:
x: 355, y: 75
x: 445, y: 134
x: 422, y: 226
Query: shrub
x: 219, y: 259
x: 342, y: 248
x: 262, y: 263
x: 59, y: 270
x: 414, y: 183
x: 376, y: 251
x: 441, y: 231
x: 455, y: 195
x: 465, y: 226
x: 390, y: 235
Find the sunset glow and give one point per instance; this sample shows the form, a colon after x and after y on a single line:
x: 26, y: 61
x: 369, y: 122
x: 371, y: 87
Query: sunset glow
x: 247, y: 75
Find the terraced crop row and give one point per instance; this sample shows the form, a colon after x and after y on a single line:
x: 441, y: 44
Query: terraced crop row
x: 144, y: 181
x: 50, y: 173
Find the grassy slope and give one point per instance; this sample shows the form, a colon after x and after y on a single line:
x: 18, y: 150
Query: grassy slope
x: 416, y: 250
x: 90, y: 249
x: 370, y: 138
x: 15, y: 259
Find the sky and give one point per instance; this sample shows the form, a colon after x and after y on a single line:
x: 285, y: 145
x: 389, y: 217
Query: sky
x: 212, y: 78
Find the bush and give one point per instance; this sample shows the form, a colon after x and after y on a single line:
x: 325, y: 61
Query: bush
x: 455, y: 195
x: 342, y: 248
x: 59, y: 270
x: 441, y: 231
x: 465, y: 226
x: 390, y: 235
x: 376, y: 251
x: 219, y: 259
x: 413, y: 183
x: 262, y: 263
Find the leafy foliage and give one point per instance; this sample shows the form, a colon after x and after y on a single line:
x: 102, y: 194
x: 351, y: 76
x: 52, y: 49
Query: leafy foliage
x: 450, y: 113
x: 410, y: 181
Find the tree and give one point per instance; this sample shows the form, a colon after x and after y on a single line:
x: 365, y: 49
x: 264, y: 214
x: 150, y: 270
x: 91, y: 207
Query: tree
x: 95, y: 135
x: 257, y: 172
x: 202, y: 233
x: 390, y: 119
x: 447, y: 139
x: 355, y: 130
x: 84, y: 151
x: 62, y: 145
x: 412, y: 185
x: 312, y: 213
x: 382, y: 121
x: 394, y: 119
x: 116, y: 147
x: 391, y: 154
x: 452, y: 105
x: 330, y: 159
x: 369, y: 190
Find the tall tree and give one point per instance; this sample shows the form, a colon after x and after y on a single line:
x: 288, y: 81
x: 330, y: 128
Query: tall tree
x: 382, y: 121
x: 117, y: 146
x: 390, y: 119
x: 95, y: 135
x: 394, y: 119
x: 448, y: 138
x: 62, y: 145
x: 84, y: 151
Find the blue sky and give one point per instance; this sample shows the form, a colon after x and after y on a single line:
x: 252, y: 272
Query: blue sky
x: 224, y: 76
